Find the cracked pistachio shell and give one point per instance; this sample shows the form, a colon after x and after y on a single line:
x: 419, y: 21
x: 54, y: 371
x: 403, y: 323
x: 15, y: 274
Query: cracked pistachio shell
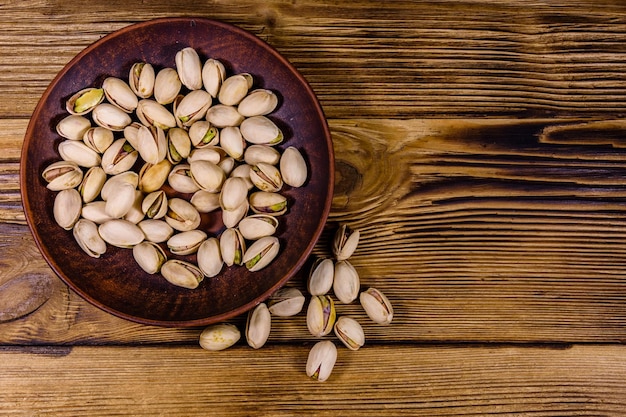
x: 262, y: 202
x: 120, y: 94
x: 94, y: 211
x: 293, y: 168
x: 154, y: 205
x: 258, y: 103
x: 189, y: 68
x: 98, y: 138
x: 321, y: 276
x: 256, y: 226
x: 232, y: 247
x: 266, y: 177
x: 232, y: 142
x: 261, y: 153
x: 153, y: 176
x: 86, y: 235
x: 209, y: 257
x: 111, y: 117
x: 186, y: 243
x: 377, y: 306
x: 321, y: 360
x: 350, y: 332
x: 192, y: 107
x: 345, y: 242
x: 62, y: 175
x: 286, y: 302
x: 92, y: 184
x: 258, y: 326
x: 234, y: 89
x: 261, y: 131
x: 151, y: 113
x: 73, y: 127
x: 181, y: 273
x: 156, y: 231
x: 205, y: 202
x: 120, y: 200
x: 231, y: 218
x: 346, y: 284
x: 149, y: 256
x: 151, y: 144
x: 182, y: 215
x: 180, y: 179
x: 67, y: 208
x: 167, y: 85
x: 221, y: 115
x: 178, y: 145
x: 261, y: 253
x: 119, y: 157
x: 202, y: 133
x: 79, y: 153
x: 213, y: 75
x: 84, y: 101
x: 219, y: 336
x: 233, y: 194
x: 121, y: 233
x: 207, y: 175
x: 321, y: 315
x: 141, y: 79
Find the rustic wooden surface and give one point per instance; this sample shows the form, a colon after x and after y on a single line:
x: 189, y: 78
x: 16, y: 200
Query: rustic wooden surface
x: 480, y: 148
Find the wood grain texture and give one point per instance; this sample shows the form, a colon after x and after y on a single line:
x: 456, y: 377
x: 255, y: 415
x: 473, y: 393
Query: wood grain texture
x: 397, y: 380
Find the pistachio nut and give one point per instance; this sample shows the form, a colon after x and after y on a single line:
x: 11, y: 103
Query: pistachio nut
x: 231, y: 218
x: 156, y: 231
x: 207, y: 175
x: 213, y: 154
x: 293, y: 168
x: 321, y: 360
x: 152, y: 177
x: 256, y: 226
x: 286, y: 302
x: 258, y: 103
x: 202, y: 133
x: 151, y: 113
x: 94, y: 211
x: 232, y: 247
x: 243, y: 171
x: 205, y: 202
x: 121, y: 233
x: 67, y: 208
x: 98, y: 138
x: 84, y: 101
x: 78, y: 152
x: 178, y: 145
x: 130, y: 133
x: 261, y: 253
x: 221, y: 115
x: 141, y: 79
x: 149, y: 256
x: 346, y: 284
x: 258, y: 326
x: 180, y: 179
x: 263, y: 202
x: 377, y: 306
x: 234, y: 89
x: 135, y: 214
x: 110, y: 185
x: 181, y: 215
x: 120, y: 94
x: 167, y: 85
x: 121, y: 200
x: 266, y: 177
x: 261, y: 131
x: 73, y: 127
x: 189, y: 68
x: 321, y: 315
x: 119, y: 157
x: 62, y: 175
x: 209, y: 257
x: 345, y: 242
x: 192, y: 107
x: 213, y: 74
x: 233, y: 194
x: 219, y: 336
x: 232, y: 142
x: 350, y: 332
x: 86, y: 234
x: 151, y: 144
x: 110, y: 117
x: 261, y: 153
x: 154, y: 205
x: 181, y: 273
x: 321, y: 276
x: 227, y: 164
x: 186, y: 243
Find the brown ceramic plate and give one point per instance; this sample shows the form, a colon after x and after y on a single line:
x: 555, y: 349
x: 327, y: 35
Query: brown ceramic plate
x: 114, y: 282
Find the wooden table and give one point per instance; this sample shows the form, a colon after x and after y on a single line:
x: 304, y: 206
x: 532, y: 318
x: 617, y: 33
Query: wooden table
x: 480, y: 149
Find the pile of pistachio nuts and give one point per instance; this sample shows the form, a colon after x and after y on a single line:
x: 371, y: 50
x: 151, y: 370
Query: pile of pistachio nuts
x: 326, y: 274
x: 193, y: 129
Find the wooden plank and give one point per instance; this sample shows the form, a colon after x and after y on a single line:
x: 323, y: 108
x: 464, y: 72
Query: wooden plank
x: 388, y: 380
x: 418, y: 59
